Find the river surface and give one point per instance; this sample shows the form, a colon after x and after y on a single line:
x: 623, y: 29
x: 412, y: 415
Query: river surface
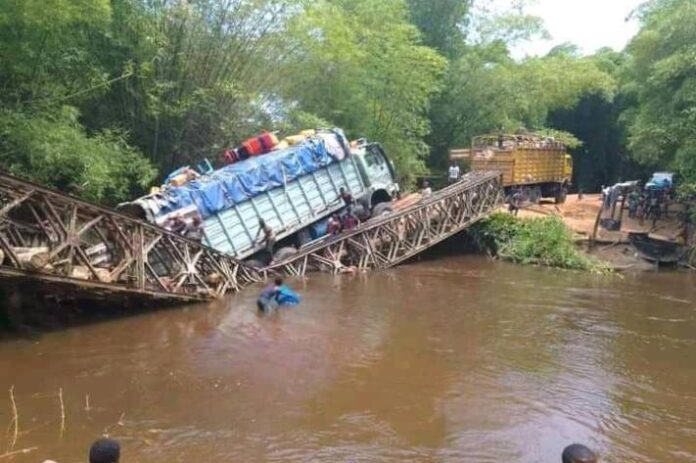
x: 456, y: 359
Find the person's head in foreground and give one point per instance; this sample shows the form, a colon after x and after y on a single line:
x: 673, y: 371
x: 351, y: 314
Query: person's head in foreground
x: 104, y: 451
x: 578, y: 453
x: 279, y: 282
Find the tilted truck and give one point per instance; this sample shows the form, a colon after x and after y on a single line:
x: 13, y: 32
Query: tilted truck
x: 539, y: 166
x: 294, y: 190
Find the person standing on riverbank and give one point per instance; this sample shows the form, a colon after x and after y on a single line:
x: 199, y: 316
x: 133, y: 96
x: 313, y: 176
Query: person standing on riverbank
x: 515, y: 203
x: 633, y: 199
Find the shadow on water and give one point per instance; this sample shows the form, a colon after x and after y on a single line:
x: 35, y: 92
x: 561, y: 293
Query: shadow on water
x: 26, y: 312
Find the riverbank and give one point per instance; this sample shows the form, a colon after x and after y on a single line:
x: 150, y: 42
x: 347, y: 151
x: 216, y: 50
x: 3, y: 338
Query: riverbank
x: 612, y: 247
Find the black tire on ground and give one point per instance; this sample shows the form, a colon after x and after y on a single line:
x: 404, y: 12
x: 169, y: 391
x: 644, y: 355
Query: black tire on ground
x: 382, y: 209
x: 561, y: 195
x: 284, y: 253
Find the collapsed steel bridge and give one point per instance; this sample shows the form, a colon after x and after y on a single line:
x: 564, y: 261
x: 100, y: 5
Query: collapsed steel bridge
x: 64, y: 244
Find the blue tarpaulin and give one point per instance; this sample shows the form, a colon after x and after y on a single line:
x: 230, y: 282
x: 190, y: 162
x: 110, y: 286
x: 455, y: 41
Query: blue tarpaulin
x: 238, y: 182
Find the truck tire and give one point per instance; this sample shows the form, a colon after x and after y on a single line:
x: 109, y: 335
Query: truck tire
x: 561, y: 195
x: 284, y: 253
x: 382, y: 209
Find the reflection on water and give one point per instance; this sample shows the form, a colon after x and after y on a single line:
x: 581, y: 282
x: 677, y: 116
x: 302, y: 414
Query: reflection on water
x: 459, y: 359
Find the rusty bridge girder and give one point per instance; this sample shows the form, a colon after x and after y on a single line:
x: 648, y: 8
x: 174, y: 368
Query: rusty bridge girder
x: 387, y: 241
x: 58, y: 239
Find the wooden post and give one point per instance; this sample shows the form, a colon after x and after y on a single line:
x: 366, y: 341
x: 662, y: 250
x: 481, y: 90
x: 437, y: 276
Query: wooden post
x: 621, y: 212
x: 593, y: 238
x: 140, y: 257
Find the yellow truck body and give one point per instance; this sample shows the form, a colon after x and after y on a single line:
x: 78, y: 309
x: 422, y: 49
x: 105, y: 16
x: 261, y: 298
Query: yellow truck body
x: 539, y: 164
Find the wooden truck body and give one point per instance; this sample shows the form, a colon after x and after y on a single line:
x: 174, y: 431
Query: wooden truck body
x: 537, y: 165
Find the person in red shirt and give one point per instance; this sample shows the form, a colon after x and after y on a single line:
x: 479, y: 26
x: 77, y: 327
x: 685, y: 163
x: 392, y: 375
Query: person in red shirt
x: 334, y: 225
x: 350, y: 220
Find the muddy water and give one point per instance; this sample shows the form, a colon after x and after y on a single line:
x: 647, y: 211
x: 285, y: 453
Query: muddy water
x: 459, y: 359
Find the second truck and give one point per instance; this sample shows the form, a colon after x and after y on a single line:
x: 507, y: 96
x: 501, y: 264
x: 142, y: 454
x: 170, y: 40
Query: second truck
x: 536, y: 165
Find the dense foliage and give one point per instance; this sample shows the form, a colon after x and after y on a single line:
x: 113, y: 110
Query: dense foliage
x: 104, y: 97
x: 660, y: 81
x: 541, y: 241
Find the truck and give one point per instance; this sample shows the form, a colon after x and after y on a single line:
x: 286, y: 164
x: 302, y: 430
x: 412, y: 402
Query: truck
x: 660, y: 181
x: 293, y: 190
x: 537, y: 165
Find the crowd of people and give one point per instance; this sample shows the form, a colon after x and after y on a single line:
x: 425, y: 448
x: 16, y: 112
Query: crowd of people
x: 650, y: 204
x: 109, y: 451
x: 347, y: 221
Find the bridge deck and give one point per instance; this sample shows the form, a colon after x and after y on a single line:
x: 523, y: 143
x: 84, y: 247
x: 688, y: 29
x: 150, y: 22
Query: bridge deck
x: 64, y: 244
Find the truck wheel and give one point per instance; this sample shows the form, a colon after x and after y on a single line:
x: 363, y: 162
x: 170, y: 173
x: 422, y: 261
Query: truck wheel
x: 561, y: 195
x: 382, y: 209
x: 284, y: 254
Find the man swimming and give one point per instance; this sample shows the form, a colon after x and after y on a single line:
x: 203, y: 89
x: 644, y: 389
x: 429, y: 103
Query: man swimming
x: 269, y: 295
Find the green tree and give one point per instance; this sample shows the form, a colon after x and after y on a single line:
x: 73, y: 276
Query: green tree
x: 201, y: 73
x: 54, y: 149
x: 360, y: 65
x: 443, y: 23
x: 660, y: 85
x: 47, y: 72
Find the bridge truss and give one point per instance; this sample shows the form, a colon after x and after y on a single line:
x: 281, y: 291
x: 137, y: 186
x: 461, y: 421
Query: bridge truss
x: 389, y: 240
x: 61, y: 240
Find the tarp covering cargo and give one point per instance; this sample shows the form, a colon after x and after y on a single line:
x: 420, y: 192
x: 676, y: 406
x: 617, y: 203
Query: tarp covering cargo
x: 238, y: 182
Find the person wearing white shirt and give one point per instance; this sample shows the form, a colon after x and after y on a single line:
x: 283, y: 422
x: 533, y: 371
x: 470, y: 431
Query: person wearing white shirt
x: 454, y: 173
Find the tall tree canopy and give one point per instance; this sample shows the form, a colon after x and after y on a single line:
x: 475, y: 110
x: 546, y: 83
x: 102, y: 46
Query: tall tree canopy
x: 100, y: 95
x: 360, y: 65
x: 660, y: 84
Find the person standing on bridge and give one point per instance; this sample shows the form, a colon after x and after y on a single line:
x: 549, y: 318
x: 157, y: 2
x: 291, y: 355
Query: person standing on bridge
x: 350, y: 220
x: 426, y: 192
x: 347, y: 198
x: 269, y: 237
x: 333, y: 226
x: 453, y: 174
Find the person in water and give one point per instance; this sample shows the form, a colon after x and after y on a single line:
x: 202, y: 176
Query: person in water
x: 269, y: 295
x: 578, y: 453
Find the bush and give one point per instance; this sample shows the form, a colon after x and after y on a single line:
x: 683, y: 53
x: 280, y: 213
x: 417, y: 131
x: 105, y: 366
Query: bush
x: 53, y: 149
x: 544, y: 241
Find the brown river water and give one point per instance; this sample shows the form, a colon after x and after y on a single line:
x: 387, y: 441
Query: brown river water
x: 451, y: 360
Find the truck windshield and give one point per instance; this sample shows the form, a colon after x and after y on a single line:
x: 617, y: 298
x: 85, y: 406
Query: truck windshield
x: 373, y: 158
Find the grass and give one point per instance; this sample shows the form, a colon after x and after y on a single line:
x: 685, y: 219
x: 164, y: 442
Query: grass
x: 541, y: 241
